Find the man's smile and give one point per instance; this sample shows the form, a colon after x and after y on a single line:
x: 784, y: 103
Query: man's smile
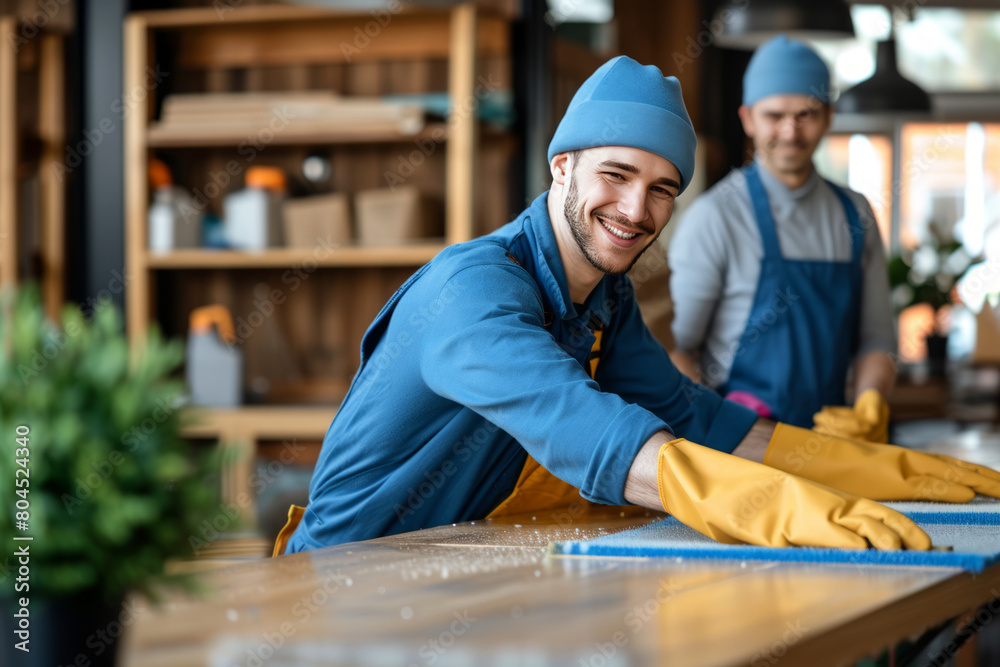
x: 617, y: 230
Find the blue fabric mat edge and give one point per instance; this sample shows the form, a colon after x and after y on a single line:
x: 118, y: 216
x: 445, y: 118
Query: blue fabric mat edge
x: 966, y: 518
x: 971, y: 562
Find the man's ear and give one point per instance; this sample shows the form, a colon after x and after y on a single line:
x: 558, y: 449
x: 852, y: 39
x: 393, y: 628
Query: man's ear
x: 559, y: 165
x: 747, y: 119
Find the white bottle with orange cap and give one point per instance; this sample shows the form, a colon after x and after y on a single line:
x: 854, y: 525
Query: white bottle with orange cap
x: 252, y: 216
x: 174, y: 221
x: 214, y: 362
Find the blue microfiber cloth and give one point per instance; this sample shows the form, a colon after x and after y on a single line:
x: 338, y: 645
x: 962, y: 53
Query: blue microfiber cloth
x: 981, y: 511
x: 976, y: 545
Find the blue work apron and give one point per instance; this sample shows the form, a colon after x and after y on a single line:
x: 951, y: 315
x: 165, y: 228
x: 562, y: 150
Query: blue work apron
x: 802, y: 332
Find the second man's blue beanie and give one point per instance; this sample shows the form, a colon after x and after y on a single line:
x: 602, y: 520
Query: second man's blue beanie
x: 783, y: 66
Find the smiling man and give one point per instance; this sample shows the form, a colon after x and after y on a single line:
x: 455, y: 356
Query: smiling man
x: 778, y: 277
x: 513, y: 373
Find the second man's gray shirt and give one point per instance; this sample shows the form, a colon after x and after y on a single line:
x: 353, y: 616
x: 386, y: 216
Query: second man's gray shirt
x: 715, y: 257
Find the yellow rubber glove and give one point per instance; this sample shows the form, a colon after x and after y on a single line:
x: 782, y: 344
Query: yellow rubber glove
x: 879, y: 472
x: 867, y: 420
x: 733, y: 500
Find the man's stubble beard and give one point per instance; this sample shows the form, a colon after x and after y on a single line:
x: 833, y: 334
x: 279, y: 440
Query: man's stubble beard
x: 583, y: 233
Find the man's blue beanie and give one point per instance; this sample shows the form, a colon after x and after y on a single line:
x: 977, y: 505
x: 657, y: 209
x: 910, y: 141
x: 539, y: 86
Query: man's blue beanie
x: 626, y: 104
x: 782, y: 66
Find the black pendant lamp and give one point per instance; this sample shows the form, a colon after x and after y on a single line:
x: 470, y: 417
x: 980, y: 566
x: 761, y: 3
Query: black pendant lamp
x: 887, y: 91
x: 746, y: 24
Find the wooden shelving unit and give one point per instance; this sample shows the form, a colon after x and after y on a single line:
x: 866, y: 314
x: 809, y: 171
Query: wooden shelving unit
x: 40, y: 112
x: 266, y: 36
x: 339, y: 289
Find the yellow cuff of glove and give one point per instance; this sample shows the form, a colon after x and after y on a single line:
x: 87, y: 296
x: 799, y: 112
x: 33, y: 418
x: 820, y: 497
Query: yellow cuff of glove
x: 867, y: 420
x: 733, y: 500
x: 876, y: 471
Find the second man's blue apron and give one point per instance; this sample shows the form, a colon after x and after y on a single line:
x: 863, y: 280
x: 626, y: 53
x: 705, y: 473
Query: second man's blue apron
x: 802, y: 332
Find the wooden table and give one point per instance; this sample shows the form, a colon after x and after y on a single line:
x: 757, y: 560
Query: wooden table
x: 488, y: 593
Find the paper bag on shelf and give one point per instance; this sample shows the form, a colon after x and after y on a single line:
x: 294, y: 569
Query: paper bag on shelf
x: 394, y: 215
x: 308, y: 221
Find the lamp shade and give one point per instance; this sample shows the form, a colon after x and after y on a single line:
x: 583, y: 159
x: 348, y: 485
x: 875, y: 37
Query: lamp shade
x: 746, y: 24
x: 886, y: 91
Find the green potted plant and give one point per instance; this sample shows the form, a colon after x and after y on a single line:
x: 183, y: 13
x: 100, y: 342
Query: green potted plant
x: 101, y: 489
x: 928, y: 274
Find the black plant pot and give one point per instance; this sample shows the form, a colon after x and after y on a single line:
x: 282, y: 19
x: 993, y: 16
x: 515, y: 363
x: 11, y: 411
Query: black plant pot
x: 63, y: 630
x: 937, y: 355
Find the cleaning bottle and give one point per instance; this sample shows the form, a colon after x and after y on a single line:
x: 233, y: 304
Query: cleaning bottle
x: 214, y: 363
x: 252, y: 216
x: 174, y: 220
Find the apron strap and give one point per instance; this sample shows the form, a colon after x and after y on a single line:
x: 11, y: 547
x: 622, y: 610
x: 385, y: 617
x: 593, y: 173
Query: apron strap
x: 857, y: 232
x: 854, y: 226
x: 295, y: 514
x: 762, y: 213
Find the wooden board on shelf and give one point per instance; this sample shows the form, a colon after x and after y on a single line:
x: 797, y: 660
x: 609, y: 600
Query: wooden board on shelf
x: 212, y: 119
x: 234, y: 107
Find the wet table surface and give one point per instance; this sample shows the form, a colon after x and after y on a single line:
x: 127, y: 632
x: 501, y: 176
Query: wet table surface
x: 488, y: 593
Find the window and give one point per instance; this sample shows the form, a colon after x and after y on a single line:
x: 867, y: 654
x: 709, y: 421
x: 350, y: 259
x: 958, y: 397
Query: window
x: 864, y: 163
x: 941, y: 49
x: 950, y: 177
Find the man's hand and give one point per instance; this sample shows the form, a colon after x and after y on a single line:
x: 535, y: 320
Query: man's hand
x: 733, y: 500
x: 876, y: 471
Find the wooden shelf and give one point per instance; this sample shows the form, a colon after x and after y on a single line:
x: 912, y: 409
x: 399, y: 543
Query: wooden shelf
x: 288, y: 35
x: 208, y: 17
x: 230, y: 549
x: 158, y: 136
x: 415, y: 254
x: 238, y: 431
x: 259, y: 422
x: 212, y: 17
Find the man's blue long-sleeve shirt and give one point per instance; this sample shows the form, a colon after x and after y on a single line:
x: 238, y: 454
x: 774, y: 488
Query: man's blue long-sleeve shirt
x: 479, y: 360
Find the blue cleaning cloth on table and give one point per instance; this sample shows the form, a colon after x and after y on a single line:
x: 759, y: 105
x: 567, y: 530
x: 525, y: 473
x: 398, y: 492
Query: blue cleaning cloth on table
x: 976, y: 545
x: 981, y: 510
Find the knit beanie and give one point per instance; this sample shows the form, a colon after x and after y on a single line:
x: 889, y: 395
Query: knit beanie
x: 782, y: 66
x: 624, y: 103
